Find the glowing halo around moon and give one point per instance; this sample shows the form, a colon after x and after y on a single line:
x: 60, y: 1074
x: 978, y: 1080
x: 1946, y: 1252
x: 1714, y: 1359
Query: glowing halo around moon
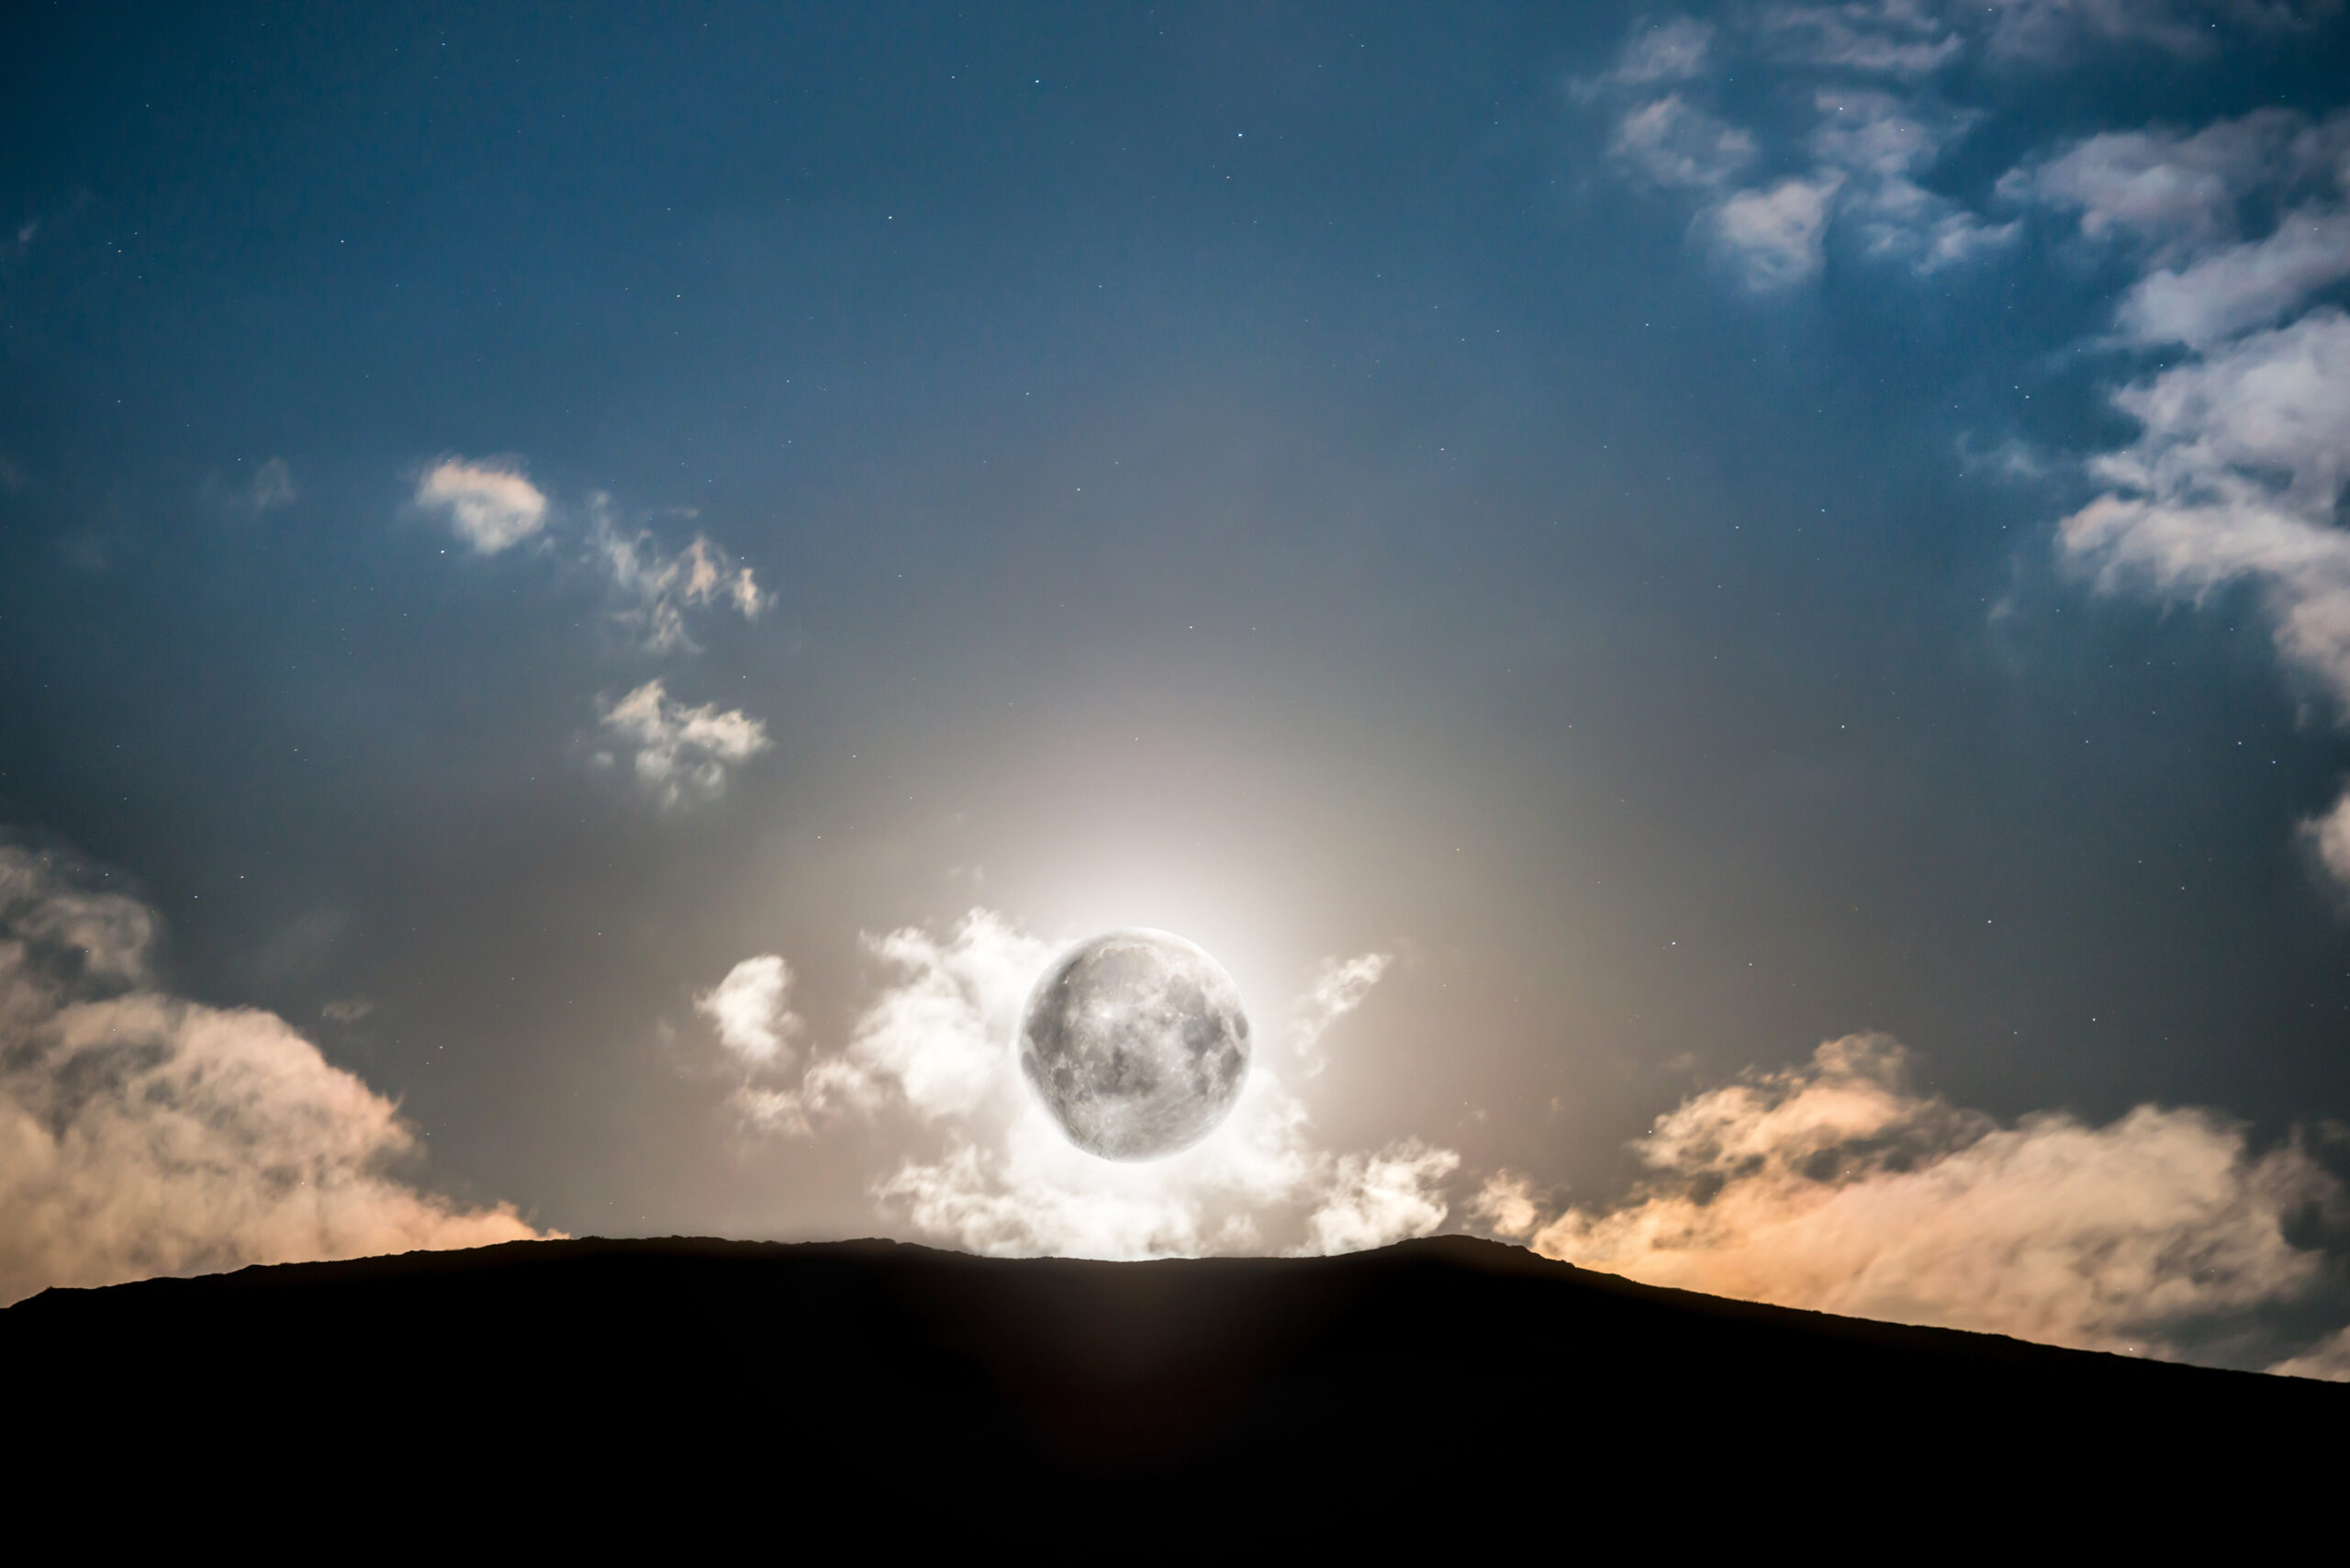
x: 1136, y: 1042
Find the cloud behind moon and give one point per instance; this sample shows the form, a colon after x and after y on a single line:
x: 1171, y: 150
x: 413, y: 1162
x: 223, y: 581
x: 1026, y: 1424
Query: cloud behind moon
x: 972, y: 1157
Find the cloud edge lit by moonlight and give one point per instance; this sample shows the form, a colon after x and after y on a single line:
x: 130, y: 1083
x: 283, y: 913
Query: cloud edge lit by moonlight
x: 934, y: 1046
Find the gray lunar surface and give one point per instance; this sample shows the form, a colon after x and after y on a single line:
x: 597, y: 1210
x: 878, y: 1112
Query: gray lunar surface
x: 1138, y: 1042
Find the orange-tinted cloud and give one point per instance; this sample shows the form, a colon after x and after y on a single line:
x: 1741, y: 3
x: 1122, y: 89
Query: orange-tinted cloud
x: 142, y: 1134
x: 1833, y: 1186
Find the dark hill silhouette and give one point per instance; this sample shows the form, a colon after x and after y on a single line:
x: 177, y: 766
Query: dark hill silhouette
x: 708, y: 1385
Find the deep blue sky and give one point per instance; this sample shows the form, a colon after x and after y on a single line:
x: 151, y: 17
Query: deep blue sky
x: 1289, y: 474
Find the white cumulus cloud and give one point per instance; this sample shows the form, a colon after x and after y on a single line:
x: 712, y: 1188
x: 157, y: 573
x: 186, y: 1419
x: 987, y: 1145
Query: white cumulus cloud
x: 2234, y: 480
x: 680, y: 754
x: 1507, y: 1205
x: 1880, y: 71
x: 1373, y: 1199
x: 1863, y: 159
x: 2234, y: 474
x: 2243, y: 446
x: 489, y: 503
x: 2329, y: 836
x: 983, y: 1166
x: 143, y: 1134
x: 2176, y: 192
x: 749, y: 1008
x: 1772, y: 238
x: 2219, y: 296
x: 932, y: 1041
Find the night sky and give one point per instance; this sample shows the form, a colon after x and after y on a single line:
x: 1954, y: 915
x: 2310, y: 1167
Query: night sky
x: 618, y: 579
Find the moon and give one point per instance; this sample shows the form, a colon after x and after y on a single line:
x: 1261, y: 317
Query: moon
x: 1137, y: 1043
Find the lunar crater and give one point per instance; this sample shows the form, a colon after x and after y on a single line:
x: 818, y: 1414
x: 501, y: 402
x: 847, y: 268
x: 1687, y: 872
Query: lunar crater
x: 1136, y: 1042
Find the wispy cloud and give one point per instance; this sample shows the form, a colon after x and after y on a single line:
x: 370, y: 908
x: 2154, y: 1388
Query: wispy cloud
x: 491, y: 505
x: 2328, y: 1359
x: 1882, y: 143
x: 1893, y: 37
x: 656, y: 587
x: 16, y: 244
x: 143, y: 1134
x: 267, y: 488
x: 680, y: 754
x: 273, y: 486
x: 488, y: 502
x: 982, y: 1165
x: 2056, y: 32
x: 1340, y: 987
x: 1675, y: 50
x: 1669, y: 143
x: 245, y: 492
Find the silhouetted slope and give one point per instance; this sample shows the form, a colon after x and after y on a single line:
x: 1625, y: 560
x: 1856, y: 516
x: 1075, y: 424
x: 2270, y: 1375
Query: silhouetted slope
x: 1353, y: 1393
